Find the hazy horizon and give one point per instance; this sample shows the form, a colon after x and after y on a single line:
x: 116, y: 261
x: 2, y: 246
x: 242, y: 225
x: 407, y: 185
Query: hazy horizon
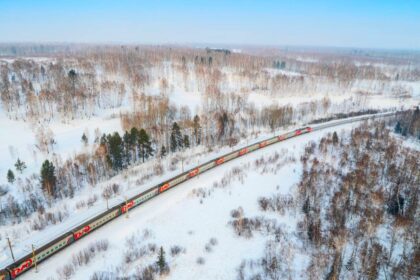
x: 321, y: 24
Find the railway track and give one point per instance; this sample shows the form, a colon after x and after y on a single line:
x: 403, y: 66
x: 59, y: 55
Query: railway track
x: 26, y: 262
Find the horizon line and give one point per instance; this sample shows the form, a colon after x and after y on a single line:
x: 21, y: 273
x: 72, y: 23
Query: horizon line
x: 202, y: 44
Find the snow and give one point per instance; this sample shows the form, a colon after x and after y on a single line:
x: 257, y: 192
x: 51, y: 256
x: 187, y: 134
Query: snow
x: 307, y: 59
x: 274, y: 72
x: 23, y: 236
x: 19, y: 140
x: 178, y: 218
x: 190, y: 99
x: 262, y: 100
x: 129, y: 183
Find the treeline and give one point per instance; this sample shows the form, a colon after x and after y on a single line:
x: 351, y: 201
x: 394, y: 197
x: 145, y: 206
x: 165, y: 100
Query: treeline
x: 176, y: 130
x: 345, y: 115
x: 360, y: 212
x: 81, y: 82
x: 408, y: 123
x: 357, y: 212
x: 137, y: 146
x: 113, y: 153
x: 224, y: 119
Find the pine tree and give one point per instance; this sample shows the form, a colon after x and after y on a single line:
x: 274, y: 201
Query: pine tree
x: 163, y: 152
x: 176, y: 138
x: 335, y: 138
x: 161, y: 262
x: 197, y: 130
x: 84, y: 139
x: 398, y: 128
x: 127, y: 148
x: 104, y: 140
x: 306, y: 207
x: 10, y: 176
x: 145, y: 146
x: 72, y: 77
x: 134, y: 134
x: 186, y: 141
x: 283, y: 65
x: 115, y: 151
x: 20, y: 165
x: 48, y: 179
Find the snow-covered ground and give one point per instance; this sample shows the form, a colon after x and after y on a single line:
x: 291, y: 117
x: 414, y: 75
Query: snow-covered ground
x: 130, y: 182
x: 18, y: 139
x: 180, y: 217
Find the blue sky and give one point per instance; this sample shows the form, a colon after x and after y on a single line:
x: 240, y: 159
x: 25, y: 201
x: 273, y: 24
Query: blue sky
x: 351, y: 23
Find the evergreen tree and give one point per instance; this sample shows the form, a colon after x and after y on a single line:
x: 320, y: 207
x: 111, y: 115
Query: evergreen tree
x: 20, y: 165
x: 84, y: 139
x: 161, y: 262
x: 186, y: 141
x: 306, y: 207
x: 48, y: 179
x: 283, y: 65
x: 335, y: 138
x: 104, y: 140
x: 163, y: 152
x: 398, y: 128
x: 10, y: 176
x: 145, y: 146
x: 197, y: 130
x: 134, y: 134
x: 72, y: 77
x: 176, y: 138
x: 115, y: 151
x: 127, y: 148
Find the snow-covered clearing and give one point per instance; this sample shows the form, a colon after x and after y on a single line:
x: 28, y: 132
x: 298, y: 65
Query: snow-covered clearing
x: 180, y: 217
x: 19, y: 140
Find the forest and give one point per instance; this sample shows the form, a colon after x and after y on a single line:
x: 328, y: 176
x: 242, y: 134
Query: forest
x: 357, y: 211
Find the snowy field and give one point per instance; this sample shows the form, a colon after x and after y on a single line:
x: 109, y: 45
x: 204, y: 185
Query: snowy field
x: 181, y: 218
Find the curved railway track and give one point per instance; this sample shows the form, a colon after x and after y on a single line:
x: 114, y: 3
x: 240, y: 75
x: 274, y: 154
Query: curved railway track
x: 25, y: 263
